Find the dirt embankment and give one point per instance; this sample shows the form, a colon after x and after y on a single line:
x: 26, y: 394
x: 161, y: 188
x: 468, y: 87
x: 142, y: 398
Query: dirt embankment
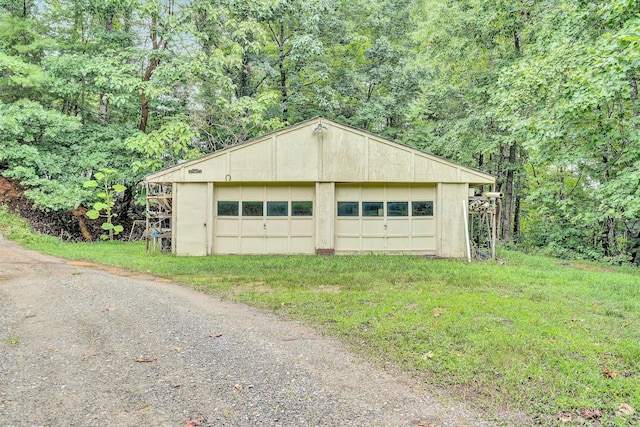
x: 72, y: 225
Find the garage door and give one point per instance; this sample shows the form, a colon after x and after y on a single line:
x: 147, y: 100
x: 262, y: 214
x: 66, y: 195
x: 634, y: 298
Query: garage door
x: 385, y: 218
x: 264, y: 219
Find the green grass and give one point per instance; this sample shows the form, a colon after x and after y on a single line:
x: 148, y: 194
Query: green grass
x: 534, y: 335
x: 12, y: 340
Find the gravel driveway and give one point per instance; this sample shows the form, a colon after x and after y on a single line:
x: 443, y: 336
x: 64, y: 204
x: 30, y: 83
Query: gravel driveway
x: 81, y: 346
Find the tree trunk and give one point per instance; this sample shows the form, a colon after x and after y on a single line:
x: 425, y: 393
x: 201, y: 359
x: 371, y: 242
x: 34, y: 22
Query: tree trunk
x: 102, y: 111
x: 109, y: 24
x: 508, y: 203
x: 609, y: 238
x: 144, y: 113
x: 480, y: 164
x: 633, y: 83
x: 104, y: 102
x: 80, y: 213
x: 283, y: 75
x: 507, y: 211
x: 516, y: 216
x: 634, y: 249
x: 144, y: 101
x: 158, y: 44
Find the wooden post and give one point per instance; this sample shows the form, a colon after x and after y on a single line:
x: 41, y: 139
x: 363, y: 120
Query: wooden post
x: 465, y: 205
x: 146, y: 230
x: 494, y: 230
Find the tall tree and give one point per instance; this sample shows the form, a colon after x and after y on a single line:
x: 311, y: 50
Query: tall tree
x: 293, y: 55
x: 573, y: 98
x: 467, y: 45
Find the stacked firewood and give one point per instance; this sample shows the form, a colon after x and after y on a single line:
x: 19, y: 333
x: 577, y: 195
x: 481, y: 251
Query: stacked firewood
x: 481, y: 205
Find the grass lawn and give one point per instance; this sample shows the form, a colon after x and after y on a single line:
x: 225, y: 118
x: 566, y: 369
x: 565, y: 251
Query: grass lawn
x: 540, y: 336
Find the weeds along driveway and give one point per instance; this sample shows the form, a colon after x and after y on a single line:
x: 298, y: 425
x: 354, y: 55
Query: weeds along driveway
x: 81, y: 346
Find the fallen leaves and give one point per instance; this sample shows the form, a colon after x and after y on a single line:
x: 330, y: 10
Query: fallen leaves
x: 437, y: 312
x: 427, y: 355
x: 590, y: 414
x: 609, y: 373
x: 193, y: 422
x: 176, y: 348
x: 145, y: 360
x: 626, y: 409
x: 145, y: 409
x: 575, y: 319
x: 107, y: 309
x: 215, y: 335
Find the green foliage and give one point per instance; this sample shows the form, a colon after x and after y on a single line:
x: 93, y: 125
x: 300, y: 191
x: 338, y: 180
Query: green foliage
x: 107, y: 192
x: 172, y: 142
x: 33, y: 154
x: 91, y: 77
x: 575, y: 111
x: 17, y: 74
x: 228, y: 122
x: 21, y: 50
x: 52, y: 154
x: 542, y: 94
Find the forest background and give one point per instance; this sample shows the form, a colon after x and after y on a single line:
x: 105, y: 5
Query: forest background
x: 541, y: 93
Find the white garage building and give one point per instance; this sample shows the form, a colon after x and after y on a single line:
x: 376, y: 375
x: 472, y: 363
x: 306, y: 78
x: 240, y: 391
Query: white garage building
x: 318, y: 187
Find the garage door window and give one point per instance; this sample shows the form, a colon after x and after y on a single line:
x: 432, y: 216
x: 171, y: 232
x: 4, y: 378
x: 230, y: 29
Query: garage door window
x: 301, y: 208
x: 422, y: 208
x: 252, y: 209
x: 227, y: 208
x: 348, y: 209
x: 277, y: 208
x: 372, y: 209
x: 397, y: 209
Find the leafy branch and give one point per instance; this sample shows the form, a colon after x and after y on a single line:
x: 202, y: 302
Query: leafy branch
x: 107, y: 191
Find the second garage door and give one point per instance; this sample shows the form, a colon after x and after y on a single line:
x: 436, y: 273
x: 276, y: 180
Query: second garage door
x: 261, y: 219
x: 385, y: 218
